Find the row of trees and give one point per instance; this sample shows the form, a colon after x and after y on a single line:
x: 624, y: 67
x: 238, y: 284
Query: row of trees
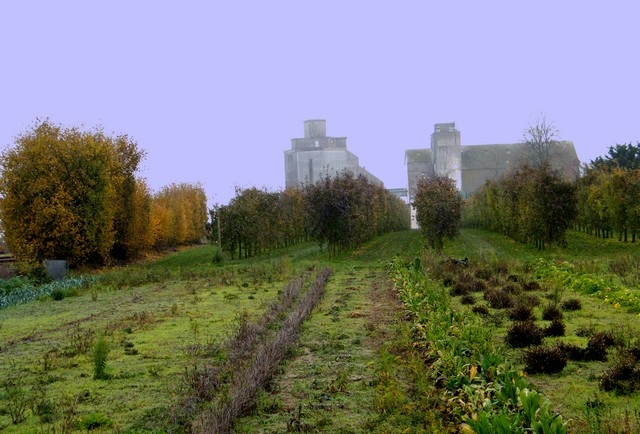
x: 529, y: 204
x: 340, y: 212
x: 72, y: 194
x: 609, y: 194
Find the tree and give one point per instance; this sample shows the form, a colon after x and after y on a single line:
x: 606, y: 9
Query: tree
x: 178, y: 215
x: 622, y: 156
x: 60, y: 191
x: 539, y: 139
x: 438, y: 207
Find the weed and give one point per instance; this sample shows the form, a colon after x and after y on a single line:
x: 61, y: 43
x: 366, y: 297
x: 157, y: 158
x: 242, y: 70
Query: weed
x: 79, y: 340
x: 16, y: 398
x: 92, y: 421
x: 100, y: 353
x: 585, y: 331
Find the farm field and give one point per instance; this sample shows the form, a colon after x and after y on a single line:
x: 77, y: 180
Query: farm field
x: 353, y: 368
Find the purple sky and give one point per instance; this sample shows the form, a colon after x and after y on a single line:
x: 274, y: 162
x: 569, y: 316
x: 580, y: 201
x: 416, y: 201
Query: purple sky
x: 215, y: 90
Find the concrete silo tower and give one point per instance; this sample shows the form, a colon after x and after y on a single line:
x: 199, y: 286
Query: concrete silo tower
x: 447, y: 152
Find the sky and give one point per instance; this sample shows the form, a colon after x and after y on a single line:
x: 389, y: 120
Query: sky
x: 214, y: 91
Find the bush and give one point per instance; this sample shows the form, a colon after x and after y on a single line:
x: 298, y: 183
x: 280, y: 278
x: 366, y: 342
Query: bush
x: 573, y: 352
x: 511, y: 289
x: 571, y: 304
x: 521, y: 312
x: 556, y: 328
x: 551, y: 312
x: 481, y: 310
x: 524, y: 334
x: 467, y: 299
x: 498, y: 299
x: 623, y: 377
x: 598, y: 345
x: 545, y: 360
x: 531, y: 286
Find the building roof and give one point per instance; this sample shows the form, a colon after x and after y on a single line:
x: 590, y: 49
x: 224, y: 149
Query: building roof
x: 417, y: 156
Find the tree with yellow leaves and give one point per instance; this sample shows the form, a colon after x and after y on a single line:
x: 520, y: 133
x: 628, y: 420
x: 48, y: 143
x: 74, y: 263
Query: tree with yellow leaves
x: 68, y: 194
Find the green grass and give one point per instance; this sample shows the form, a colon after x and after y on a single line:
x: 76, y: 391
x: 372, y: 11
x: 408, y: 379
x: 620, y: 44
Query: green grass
x: 354, y: 357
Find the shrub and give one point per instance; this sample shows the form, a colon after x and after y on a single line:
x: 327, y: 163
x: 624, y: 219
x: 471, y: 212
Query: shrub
x: 483, y: 273
x: 545, y: 360
x: 571, y: 304
x: 524, y: 334
x: 573, y: 352
x: 530, y: 300
x: 467, y: 299
x: 480, y: 310
x: 511, y: 289
x: 556, y: 328
x: 521, y: 312
x: 531, y: 286
x: 551, y: 312
x: 598, y: 345
x: 498, y: 299
x: 623, y: 377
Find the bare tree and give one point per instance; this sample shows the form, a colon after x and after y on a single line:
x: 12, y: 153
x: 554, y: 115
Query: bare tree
x: 540, y: 138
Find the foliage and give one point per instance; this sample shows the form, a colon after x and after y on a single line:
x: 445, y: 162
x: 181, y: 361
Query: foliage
x: 530, y: 204
x: 63, y: 194
x: 344, y: 211
x: 178, y: 215
x: 100, y: 353
x: 438, y: 209
x: 341, y: 211
x: 27, y: 292
x: 482, y: 393
x: 625, y: 156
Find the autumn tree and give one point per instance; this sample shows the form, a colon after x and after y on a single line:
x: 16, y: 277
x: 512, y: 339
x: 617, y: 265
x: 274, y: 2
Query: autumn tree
x: 438, y: 207
x: 61, y: 190
x: 178, y: 215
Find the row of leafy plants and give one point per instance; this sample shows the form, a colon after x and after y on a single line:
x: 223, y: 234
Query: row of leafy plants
x: 75, y: 195
x: 479, y: 391
x: 341, y: 212
x: 19, y: 290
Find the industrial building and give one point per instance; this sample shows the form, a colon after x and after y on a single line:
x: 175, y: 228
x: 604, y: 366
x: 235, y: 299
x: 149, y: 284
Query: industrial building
x: 315, y: 156
x: 471, y: 166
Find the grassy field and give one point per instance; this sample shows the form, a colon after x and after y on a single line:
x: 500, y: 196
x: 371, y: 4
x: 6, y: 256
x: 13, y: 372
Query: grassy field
x: 354, y: 362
